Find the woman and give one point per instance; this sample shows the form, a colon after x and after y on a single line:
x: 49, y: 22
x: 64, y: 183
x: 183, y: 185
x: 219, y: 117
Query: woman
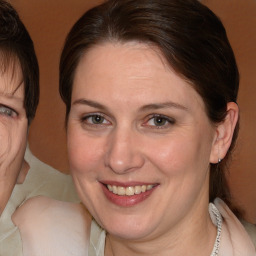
x: 19, y: 94
x: 20, y: 179
x: 150, y: 89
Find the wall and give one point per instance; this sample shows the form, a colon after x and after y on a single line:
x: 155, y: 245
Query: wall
x: 49, y: 21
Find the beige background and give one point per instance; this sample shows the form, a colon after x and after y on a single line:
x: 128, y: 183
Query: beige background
x: 48, y: 22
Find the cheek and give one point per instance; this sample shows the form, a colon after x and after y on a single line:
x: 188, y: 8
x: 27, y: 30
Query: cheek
x: 84, y: 152
x: 5, y: 140
x: 178, y: 154
x: 13, y: 145
x: 13, y: 137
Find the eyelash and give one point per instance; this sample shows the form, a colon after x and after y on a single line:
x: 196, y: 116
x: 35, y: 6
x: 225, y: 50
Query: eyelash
x: 7, y: 111
x: 103, y: 121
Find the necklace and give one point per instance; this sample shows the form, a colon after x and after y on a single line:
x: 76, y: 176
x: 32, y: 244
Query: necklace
x: 217, y: 220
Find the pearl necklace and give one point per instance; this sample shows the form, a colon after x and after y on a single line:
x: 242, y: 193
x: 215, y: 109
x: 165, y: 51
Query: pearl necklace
x: 217, y: 220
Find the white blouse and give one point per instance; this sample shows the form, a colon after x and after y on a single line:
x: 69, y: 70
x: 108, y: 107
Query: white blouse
x: 49, y: 228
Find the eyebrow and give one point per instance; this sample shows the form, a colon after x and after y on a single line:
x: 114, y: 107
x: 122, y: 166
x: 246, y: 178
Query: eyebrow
x: 12, y: 94
x: 147, y: 107
x: 163, y: 105
x: 90, y: 103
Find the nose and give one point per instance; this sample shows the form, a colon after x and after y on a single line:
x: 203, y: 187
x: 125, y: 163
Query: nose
x: 123, y: 152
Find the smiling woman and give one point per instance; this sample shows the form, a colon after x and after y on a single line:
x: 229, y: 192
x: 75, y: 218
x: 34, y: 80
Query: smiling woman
x: 147, y: 139
x: 13, y: 130
x: 19, y: 93
x: 21, y: 177
x: 150, y: 89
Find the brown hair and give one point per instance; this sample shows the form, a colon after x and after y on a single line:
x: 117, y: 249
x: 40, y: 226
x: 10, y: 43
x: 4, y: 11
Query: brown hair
x: 190, y: 37
x: 16, y: 45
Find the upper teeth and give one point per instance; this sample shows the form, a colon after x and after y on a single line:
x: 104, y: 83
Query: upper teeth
x: 129, y: 191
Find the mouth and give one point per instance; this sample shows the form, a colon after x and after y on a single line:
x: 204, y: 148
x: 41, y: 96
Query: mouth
x: 129, y: 194
x: 129, y: 190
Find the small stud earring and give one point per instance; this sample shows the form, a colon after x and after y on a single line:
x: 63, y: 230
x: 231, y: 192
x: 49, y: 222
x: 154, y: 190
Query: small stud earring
x: 219, y: 159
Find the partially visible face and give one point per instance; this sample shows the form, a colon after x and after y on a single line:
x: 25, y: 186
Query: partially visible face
x: 13, y: 131
x: 139, y: 142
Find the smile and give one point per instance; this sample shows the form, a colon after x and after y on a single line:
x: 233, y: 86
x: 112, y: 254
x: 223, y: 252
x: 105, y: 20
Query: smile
x: 129, y: 191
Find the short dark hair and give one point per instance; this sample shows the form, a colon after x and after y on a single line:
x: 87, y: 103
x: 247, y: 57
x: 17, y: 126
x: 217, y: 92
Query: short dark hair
x: 191, y: 38
x: 16, y: 44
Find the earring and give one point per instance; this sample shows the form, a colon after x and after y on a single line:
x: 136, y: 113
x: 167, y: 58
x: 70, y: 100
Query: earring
x: 219, y: 159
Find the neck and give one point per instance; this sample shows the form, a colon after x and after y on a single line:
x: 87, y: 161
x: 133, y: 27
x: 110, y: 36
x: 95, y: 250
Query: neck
x: 195, y: 237
x: 23, y: 173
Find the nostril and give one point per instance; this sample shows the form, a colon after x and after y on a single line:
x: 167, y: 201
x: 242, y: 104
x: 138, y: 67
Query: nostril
x: 123, y: 152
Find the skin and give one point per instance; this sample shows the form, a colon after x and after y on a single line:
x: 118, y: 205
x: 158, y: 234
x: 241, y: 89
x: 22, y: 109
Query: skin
x: 127, y: 147
x: 13, y: 132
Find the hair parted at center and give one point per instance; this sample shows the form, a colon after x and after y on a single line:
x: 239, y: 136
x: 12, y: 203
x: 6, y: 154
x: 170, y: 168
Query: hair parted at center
x: 190, y: 37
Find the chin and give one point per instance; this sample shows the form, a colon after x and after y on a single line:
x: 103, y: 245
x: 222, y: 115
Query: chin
x: 129, y: 227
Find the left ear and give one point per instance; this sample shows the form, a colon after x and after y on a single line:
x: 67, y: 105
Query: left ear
x: 224, y: 133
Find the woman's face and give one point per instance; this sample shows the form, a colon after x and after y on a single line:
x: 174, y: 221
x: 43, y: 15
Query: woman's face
x: 13, y: 130
x: 139, y: 142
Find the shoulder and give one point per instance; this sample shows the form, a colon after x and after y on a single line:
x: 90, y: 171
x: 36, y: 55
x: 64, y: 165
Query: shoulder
x: 42, y: 179
x: 48, y: 225
x: 251, y: 229
x: 234, y: 238
x: 42, y: 207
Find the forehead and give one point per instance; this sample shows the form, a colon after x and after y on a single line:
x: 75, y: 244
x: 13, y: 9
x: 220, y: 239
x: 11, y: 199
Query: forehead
x: 133, y: 62
x: 120, y: 63
x: 135, y: 70
x: 129, y: 54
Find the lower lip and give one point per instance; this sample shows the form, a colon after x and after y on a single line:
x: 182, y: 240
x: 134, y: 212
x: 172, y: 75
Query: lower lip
x: 127, y: 201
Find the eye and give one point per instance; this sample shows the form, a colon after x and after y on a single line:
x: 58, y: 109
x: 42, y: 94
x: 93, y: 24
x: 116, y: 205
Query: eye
x: 159, y: 121
x: 9, y: 112
x: 95, y: 119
